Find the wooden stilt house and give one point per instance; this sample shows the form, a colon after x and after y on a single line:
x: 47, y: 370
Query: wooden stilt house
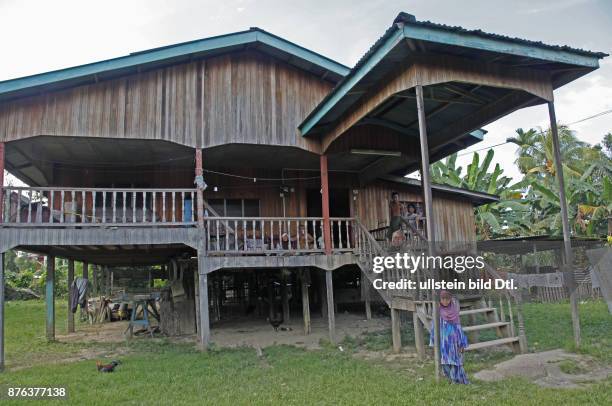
x: 249, y: 154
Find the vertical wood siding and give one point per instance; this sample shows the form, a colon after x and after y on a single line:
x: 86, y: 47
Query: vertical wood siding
x: 454, y: 216
x: 243, y: 97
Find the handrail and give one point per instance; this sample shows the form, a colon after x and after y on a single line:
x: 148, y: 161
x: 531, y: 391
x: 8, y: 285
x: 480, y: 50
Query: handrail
x: 97, y: 207
x: 96, y: 189
x: 488, y: 268
x: 248, y: 235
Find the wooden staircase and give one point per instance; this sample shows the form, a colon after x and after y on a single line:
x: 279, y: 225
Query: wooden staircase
x: 368, y: 249
x: 504, y: 329
x: 473, y: 308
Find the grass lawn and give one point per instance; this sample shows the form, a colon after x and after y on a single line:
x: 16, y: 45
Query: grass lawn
x: 162, y: 373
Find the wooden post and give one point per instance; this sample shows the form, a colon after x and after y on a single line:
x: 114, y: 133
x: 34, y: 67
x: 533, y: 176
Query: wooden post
x: 431, y: 238
x: 567, y: 243
x: 107, y: 284
x: 305, y: 280
x: 419, y: 339
x: 85, y: 270
x: 103, y: 288
x: 271, y: 298
x: 325, y: 205
x: 203, y: 297
x: 200, y: 192
x: 365, y: 286
x: 535, y: 258
x: 331, y: 317
x: 285, y: 296
x: 322, y: 296
x: 1, y: 181
x: 70, y: 317
x: 196, y: 283
x: 521, y: 322
x: 50, y: 297
x: 217, y: 298
x: 1, y: 311
x: 95, y: 271
x: 396, y: 334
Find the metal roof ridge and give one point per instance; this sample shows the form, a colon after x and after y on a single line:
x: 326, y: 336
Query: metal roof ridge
x: 409, y: 26
x: 172, y: 51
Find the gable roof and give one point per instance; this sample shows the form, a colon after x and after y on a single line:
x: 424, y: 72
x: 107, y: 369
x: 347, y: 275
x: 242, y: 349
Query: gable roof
x: 254, y: 38
x: 449, y: 40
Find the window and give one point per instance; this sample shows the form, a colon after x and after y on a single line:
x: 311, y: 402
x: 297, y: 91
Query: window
x: 235, y: 207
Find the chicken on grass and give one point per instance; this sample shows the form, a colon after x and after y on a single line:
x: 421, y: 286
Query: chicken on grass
x: 107, y: 367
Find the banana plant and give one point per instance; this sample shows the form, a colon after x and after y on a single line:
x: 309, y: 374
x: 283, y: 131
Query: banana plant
x: 493, y: 219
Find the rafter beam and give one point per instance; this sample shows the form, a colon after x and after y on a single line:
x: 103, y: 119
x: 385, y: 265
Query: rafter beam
x: 467, y: 94
x: 458, y: 100
x: 389, y: 124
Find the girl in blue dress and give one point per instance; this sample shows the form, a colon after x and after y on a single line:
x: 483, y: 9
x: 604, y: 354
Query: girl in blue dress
x: 453, y: 340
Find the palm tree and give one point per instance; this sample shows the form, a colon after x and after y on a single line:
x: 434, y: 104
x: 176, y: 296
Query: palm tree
x: 531, y: 206
x: 535, y: 155
x: 587, y: 173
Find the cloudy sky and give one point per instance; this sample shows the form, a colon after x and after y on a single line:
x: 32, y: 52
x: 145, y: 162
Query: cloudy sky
x: 39, y: 36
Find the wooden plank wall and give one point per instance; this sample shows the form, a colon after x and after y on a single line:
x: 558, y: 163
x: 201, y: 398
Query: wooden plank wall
x: 244, y: 97
x: 431, y: 70
x: 454, y: 216
x: 268, y: 192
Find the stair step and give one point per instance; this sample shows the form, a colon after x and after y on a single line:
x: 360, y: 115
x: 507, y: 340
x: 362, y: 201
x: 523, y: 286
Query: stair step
x: 492, y: 343
x: 476, y: 311
x: 485, y: 326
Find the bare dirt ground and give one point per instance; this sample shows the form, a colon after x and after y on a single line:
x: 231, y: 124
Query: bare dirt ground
x: 259, y: 333
x: 544, y: 369
x: 250, y: 332
x: 97, y: 333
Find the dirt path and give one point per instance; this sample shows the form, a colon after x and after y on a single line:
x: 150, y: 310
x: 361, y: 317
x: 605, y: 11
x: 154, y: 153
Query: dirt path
x: 545, y: 369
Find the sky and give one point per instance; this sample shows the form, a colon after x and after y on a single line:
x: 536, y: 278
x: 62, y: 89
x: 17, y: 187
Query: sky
x: 39, y: 36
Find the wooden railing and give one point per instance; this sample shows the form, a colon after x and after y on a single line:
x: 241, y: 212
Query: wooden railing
x: 94, y: 207
x: 416, y: 229
x: 369, y: 247
x: 292, y: 235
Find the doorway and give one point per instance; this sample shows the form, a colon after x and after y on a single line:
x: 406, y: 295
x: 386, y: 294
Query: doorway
x: 339, y: 206
x: 339, y: 203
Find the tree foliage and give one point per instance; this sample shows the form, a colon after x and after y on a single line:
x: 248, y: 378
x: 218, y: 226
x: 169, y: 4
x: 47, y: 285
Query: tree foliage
x: 531, y: 206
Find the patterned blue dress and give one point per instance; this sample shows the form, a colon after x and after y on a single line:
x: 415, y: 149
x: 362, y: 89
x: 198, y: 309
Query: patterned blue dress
x: 451, y: 358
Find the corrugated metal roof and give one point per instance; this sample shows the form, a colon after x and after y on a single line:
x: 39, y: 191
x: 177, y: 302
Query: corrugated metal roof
x: 168, y: 54
x: 408, y: 20
x: 489, y: 35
